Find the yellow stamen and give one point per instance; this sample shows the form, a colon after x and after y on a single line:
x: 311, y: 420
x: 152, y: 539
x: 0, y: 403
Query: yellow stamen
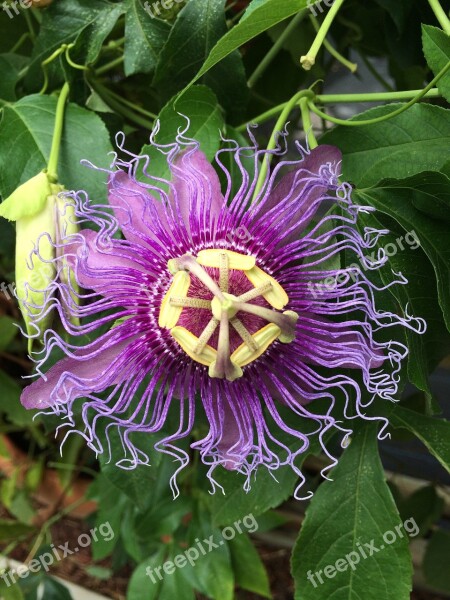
x: 169, y: 313
x: 236, y: 261
x: 264, y: 337
x: 190, y: 302
x: 189, y: 342
x: 275, y: 296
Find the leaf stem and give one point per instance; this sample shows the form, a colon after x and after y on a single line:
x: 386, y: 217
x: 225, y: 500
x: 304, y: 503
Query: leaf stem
x: 308, y: 60
x: 281, y: 122
x: 52, y: 168
x: 395, y: 113
x: 276, y: 48
x: 109, y: 66
x: 441, y: 15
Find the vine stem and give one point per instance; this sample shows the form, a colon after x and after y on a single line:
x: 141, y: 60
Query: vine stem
x: 308, y: 60
x: 281, y: 122
x: 441, y: 16
x: 307, y: 124
x: 395, y: 113
x: 275, y: 48
x: 344, y: 98
x: 109, y: 66
x: 52, y: 168
x: 118, y: 106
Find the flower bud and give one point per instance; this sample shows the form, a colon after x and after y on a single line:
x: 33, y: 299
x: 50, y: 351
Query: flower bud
x: 42, y: 220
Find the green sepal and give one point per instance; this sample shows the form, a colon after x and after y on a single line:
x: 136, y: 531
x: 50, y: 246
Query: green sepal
x: 28, y: 199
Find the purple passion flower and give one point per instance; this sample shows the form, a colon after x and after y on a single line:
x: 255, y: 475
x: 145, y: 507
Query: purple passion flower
x: 211, y: 303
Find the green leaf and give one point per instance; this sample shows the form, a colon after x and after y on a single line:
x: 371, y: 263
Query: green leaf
x: 12, y: 29
x: 144, y: 38
x: 198, y: 27
x: 398, y: 11
x: 136, y: 483
x: 54, y: 590
x: 11, y: 592
x: 8, y: 331
x: 83, y: 22
x: 10, y: 393
x: 436, y: 47
x: 30, y: 123
x: 211, y: 574
x: 99, y: 572
x: 200, y: 105
x: 424, y: 506
x: 10, y: 65
x: 354, y: 509
x: 140, y: 580
x: 433, y: 432
x: 248, y: 567
x: 266, y: 491
x: 397, y: 198
x: 414, y: 141
x: 419, y: 296
x: 258, y: 20
x: 111, y: 506
x: 435, y: 563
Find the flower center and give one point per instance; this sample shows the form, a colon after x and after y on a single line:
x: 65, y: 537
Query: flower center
x: 232, y: 296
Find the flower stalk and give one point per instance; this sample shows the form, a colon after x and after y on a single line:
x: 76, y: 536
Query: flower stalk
x: 309, y: 59
x: 441, y: 15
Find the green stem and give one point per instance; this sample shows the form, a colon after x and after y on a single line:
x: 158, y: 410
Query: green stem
x: 109, y: 66
x: 119, y: 107
x: 52, y: 168
x: 307, y: 124
x: 309, y: 59
x: 20, y: 41
x: 441, y: 16
x: 375, y: 97
x: 46, y: 62
x: 395, y: 113
x: 374, y: 72
x: 281, y: 121
x: 344, y: 98
x: 135, y: 107
x: 275, y: 48
x: 352, y: 67
x: 29, y: 24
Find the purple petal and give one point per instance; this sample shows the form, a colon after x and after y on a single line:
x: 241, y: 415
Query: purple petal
x: 96, y: 267
x: 89, y: 370
x: 196, y: 188
x: 135, y: 208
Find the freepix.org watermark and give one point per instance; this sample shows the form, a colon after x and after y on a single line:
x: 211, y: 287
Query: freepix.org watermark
x: 362, y: 552
x: 201, y: 547
x: 12, y: 8
x: 409, y: 240
x: 47, y: 559
x: 155, y: 9
x: 318, y: 6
